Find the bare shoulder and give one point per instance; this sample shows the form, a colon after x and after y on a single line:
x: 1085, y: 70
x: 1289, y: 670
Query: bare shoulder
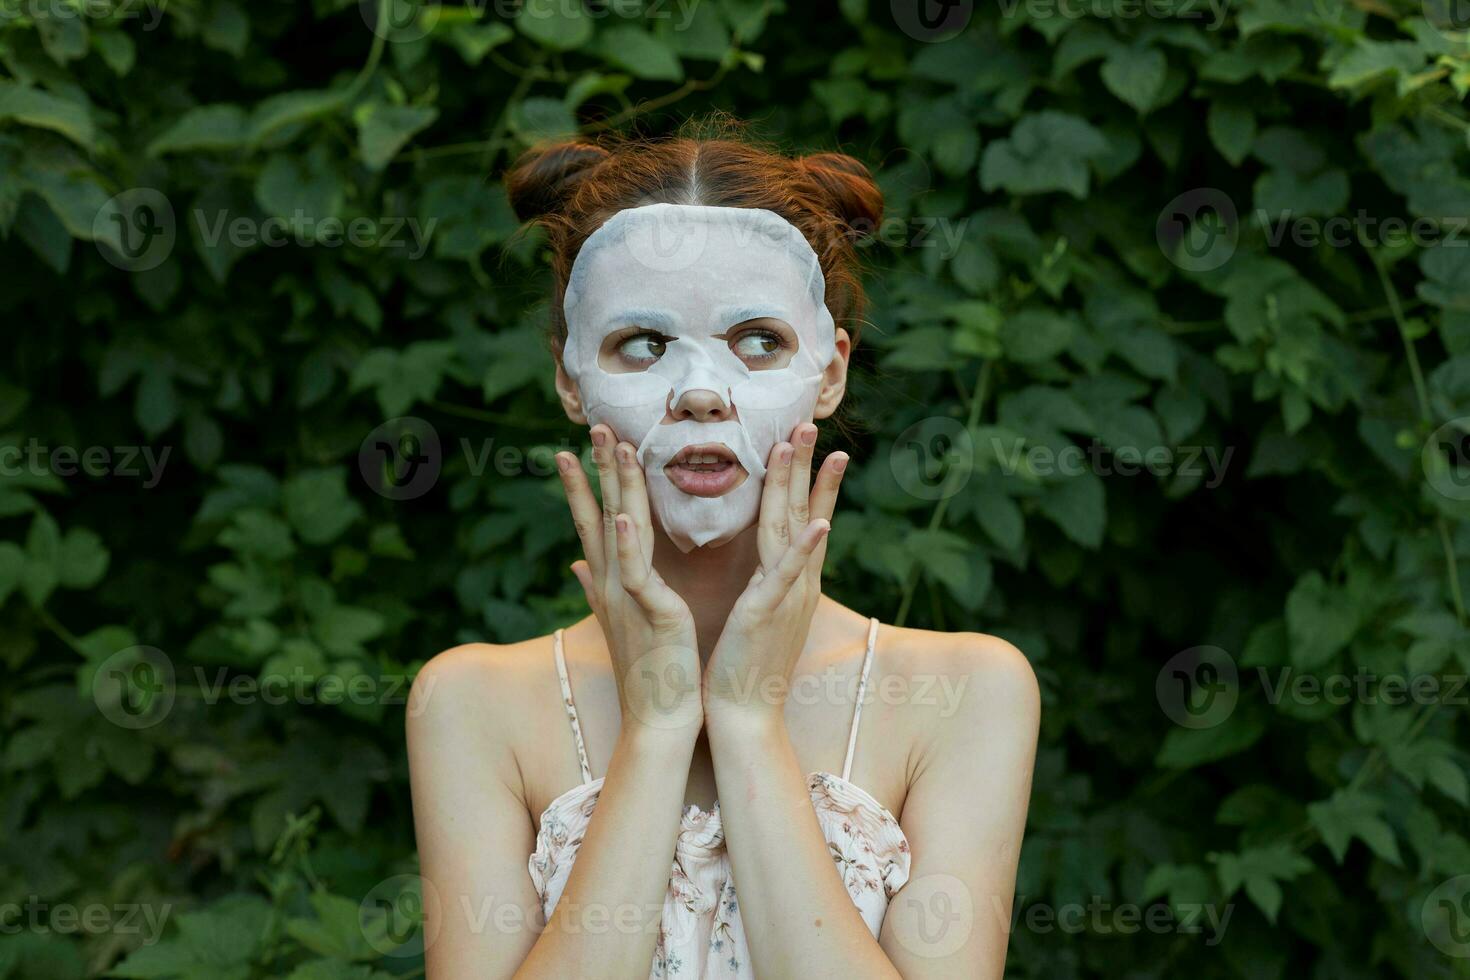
x: 988, y: 658
x: 482, y: 690
x: 990, y: 684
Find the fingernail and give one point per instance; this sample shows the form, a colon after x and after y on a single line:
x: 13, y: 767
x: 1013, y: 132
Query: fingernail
x: 598, y: 438
x: 563, y: 462
x: 809, y: 436
x: 786, y: 453
x: 839, y: 464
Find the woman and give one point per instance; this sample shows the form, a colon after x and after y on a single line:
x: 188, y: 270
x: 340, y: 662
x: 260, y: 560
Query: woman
x: 590, y: 804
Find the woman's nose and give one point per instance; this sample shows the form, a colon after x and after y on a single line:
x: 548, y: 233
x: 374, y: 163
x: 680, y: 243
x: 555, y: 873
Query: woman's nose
x: 701, y: 405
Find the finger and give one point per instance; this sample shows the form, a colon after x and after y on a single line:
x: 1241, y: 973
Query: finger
x: 586, y: 512
x: 585, y: 579
x: 632, y: 568
x: 607, y: 478
x: 639, y: 579
x: 774, y: 534
x: 829, y: 480
x: 633, y: 494
x: 794, y: 562
x: 799, y: 488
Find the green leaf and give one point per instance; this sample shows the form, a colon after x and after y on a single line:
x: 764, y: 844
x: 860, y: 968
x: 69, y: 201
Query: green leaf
x: 82, y: 559
x: 555, y: 25
x: 1186, y: 748
x: 1232, y: 128
x: 35, y: 107
x: 1260, y: 869
x: 640, y: 53
x: 1036, y: 335
x: 383, y: 130
x: 227, y: 28
x: 402, y: 378
x: 1047, y: 151
x: 288, y: 109
x: 1371, y: 61
x: 1077, y: 505
x: 1320, y: 620
x: 42, y: 570
x: 317, y: 504
x: 304, y: 192
x: 205, y: 127
x: 1136, y: 75
x: 538, y: 118
x: 12, y: 567
x: 474, y: 41
x: 1347, y: 815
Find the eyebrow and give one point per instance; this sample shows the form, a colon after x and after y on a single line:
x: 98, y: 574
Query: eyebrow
x: 638, y: 317
x: 732, y: 315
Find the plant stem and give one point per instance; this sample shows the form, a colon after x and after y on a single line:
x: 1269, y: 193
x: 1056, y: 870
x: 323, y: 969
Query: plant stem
x: 977, y: 401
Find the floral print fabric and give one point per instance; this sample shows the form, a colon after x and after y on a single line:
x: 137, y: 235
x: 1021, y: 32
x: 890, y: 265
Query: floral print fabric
x: 700, y: 933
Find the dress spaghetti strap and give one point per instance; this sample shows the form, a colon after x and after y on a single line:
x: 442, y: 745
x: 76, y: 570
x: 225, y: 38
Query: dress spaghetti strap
x: 862, y: 690
x: 566, y: 700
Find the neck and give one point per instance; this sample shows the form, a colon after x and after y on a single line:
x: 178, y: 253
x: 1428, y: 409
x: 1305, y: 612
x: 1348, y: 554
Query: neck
x: 709, y: 580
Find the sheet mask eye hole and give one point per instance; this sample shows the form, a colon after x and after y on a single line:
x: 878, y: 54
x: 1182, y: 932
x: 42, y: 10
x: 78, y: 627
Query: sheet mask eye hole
x: 636, y: 352
x: 757, y: 344
x: 764, y: 343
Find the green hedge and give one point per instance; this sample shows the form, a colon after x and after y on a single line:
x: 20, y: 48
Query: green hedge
x: 1225, y: 244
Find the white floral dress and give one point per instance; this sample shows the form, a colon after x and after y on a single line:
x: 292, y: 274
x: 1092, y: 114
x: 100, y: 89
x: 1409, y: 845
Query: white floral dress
x: 700, y: 933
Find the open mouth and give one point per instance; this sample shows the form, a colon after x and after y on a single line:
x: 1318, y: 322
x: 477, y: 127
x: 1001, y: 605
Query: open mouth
x: 709, y: 469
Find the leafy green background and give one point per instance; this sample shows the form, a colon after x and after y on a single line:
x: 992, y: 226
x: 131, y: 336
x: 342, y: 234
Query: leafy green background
x: 1051, y: 145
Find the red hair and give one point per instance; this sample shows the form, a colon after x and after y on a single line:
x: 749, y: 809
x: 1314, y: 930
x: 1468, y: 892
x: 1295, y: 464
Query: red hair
x: 571, y: 188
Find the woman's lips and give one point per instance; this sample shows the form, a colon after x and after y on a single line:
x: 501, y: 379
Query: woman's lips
x: 706, y: 470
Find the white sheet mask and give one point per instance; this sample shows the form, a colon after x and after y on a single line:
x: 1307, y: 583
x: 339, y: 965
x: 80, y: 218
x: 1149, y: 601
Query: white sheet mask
x: 690, y: 273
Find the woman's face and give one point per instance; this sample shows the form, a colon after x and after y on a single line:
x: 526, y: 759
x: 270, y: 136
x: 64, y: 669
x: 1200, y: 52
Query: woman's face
x: 699, y: 335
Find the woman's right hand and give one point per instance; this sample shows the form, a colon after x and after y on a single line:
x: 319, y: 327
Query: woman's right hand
x: 648, y: 627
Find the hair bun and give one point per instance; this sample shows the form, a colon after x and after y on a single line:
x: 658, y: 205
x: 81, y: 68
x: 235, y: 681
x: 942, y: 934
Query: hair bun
x: 849, y: 186
x: 545, y: 176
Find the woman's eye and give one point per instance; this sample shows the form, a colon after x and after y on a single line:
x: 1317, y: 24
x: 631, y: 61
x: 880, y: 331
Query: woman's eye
x: 643, y: 348
x: 757, y: 345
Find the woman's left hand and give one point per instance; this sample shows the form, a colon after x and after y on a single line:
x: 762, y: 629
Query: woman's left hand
x: 750, y: 669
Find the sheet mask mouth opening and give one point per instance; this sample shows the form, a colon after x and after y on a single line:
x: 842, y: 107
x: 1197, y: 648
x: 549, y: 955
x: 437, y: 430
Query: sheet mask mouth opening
x: 706, y: 470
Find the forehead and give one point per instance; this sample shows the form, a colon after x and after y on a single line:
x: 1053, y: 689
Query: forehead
x: 686, y: 259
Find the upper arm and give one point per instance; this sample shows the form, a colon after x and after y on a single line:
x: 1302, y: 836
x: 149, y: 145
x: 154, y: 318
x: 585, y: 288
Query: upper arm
x: 964, y: 816
x: 474, y: 833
